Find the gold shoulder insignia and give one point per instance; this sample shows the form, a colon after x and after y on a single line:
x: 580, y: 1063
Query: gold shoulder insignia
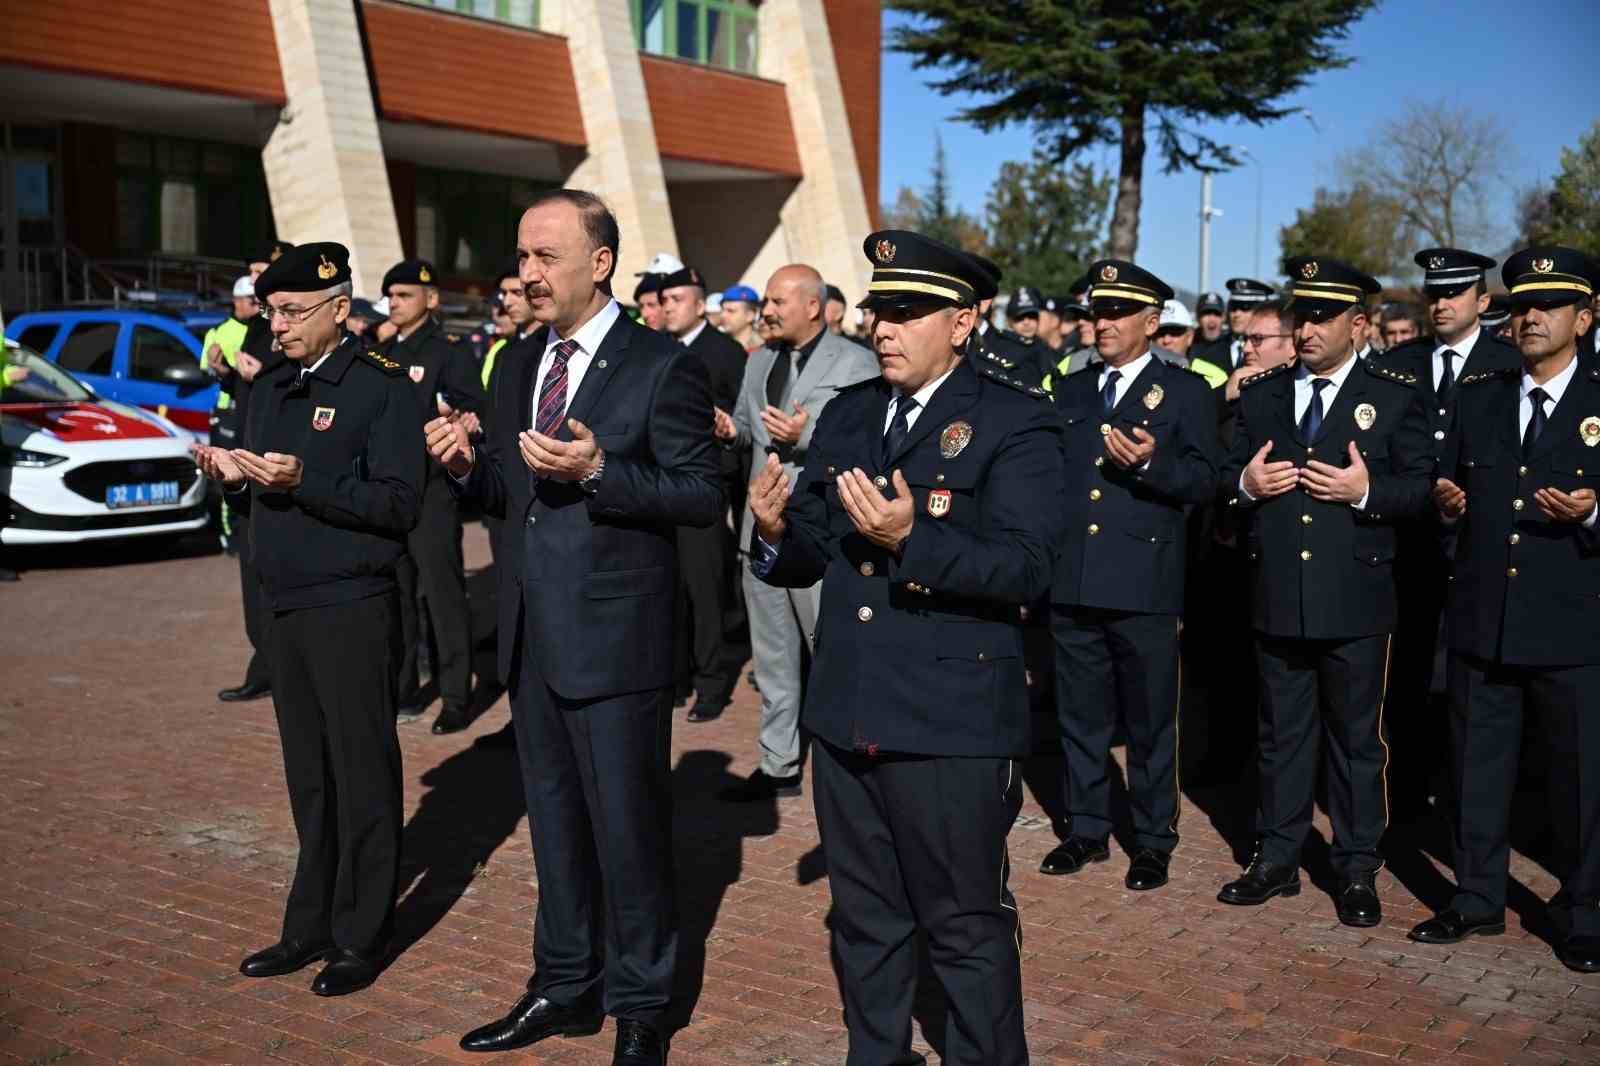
x: 1011, y: 382
x: 1264, y: 375
x: 998, y: 359
x: 1402, y: 377
x: 453, y: 338
x: 383, y: 362
x: 1495, y: 374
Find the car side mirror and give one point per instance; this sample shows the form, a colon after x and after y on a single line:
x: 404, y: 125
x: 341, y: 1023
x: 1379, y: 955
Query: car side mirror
x: 186, y: 376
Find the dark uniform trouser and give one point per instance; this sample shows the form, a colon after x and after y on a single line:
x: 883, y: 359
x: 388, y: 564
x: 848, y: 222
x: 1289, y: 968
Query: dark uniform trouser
x: 257, y: 616
x: 1416, y: 721
x: 597, y: 778
x: 1322, y: 703
x: 703, y: 571
x: 1487, y: 704
x: 333, y: 685
x: 435, y: 548
x: 1106, y: 662
x: 919, y: 842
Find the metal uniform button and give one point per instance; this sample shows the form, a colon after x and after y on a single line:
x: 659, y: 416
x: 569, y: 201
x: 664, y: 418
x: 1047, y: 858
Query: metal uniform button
x: 1442, y: 412
x: 867, y: 569
x: 1514, y: 538
x: 1305, y: 520
x: 1099, y: 460
x: 1094, y: 494
x: 864, y: 614
x: 1438, y: 434
x: 1305, y: 555
x: 531, y: 520
x: 832, y: 471
x: 1522, y: 471
x: 1093, y: 529
x: 880, y: 482
x: 982, y: 657
x: 1512, y: 572
x: 939, y: 478
x: 1516, y: 505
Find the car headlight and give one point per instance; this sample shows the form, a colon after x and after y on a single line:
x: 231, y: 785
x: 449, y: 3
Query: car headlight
x: 25, y: 457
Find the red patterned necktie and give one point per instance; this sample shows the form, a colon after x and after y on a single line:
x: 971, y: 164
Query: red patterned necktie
x: 553, y: 393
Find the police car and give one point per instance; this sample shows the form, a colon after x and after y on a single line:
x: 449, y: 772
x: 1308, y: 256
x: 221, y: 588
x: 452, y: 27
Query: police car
x: 74, y: 467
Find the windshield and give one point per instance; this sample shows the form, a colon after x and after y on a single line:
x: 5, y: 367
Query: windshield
x: 30, y: 378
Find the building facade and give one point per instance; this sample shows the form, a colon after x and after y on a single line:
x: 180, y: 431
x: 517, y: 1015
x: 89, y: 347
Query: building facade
x: 736, y: 134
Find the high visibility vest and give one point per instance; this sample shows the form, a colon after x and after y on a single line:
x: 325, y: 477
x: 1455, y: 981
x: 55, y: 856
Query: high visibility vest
x: 488, y: 360
x: 1215, y: 376
x: 229, y: 336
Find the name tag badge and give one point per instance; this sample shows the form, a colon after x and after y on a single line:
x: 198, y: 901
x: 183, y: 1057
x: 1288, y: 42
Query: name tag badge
x: 322, y: 418
x: 939, y: 503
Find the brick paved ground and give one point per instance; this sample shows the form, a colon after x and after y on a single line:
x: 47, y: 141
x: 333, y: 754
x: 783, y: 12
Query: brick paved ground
x: 146, y: 842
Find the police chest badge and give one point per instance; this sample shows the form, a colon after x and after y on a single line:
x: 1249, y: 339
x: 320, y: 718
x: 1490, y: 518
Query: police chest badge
x: 1366, y: 415
x: 1589, y: 430
x: 1153, y: 398
x: 939, y: 502
x: 415, y: 373
x: 955, y: 437
x: 322, y: 418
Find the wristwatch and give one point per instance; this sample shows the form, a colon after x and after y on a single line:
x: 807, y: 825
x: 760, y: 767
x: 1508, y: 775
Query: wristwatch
x: 591, y: 483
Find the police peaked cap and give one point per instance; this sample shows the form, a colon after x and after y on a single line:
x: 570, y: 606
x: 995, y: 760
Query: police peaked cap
x: 1025, y: 301
x: 1245, y: 291
x: 1446, y: 271
x: 410, y: 272
x: 910, y: 268
x: 306, y: 268
x: 1549, y: 276
x: 1327, y: 286
x: 1121, y: 281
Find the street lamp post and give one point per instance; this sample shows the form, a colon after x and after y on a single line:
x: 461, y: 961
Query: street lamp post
x: 1207, y: 213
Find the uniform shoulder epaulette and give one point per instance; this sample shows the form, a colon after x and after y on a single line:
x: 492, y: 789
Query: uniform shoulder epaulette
x: 1399, y: 377
x: 1003, y: 378
x: 998, y: 360
x: 856, y: 386
x: 452, y: 338
x: 1014, y: 337
x: 1270, y: 372
x: 1492, y: 374
x: 382, y: 362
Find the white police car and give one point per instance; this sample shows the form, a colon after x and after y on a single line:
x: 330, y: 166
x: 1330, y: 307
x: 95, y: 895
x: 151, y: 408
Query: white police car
x: 74, y: 467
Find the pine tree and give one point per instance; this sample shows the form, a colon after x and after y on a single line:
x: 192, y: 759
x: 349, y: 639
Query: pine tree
x: 1046, y: 222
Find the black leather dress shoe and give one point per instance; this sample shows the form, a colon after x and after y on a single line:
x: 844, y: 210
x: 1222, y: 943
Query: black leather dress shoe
x: 347, y: 973
x: 1452, y: 927
x: 638, y: 1045
x: 452, y: 718
x: 1357, y: 902
x: 761, y: 786
x: 1260, y: 883
x: 705, y: 710
x: 250, y: 690
x: 286, y: 956
x: 531, y: 1020
x: 1148, y: 870
x: 1073, y: 854
x: 1580, y: 953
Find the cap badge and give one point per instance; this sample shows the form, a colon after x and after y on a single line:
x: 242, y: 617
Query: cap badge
x: 1366, y: 415
x: 322, y: 418
x: 885, y: 251
x: 954, y: 439
x: 1543, y: 266
x: 424, y: 275
x: 1308, y: 270
x: 1108, y: 273
x: 415, y: 373
x: 1153, y: 398
x: 1589, y: 430
x: 1436, y: 262
x: 939, y: 502
x: 326, y: 270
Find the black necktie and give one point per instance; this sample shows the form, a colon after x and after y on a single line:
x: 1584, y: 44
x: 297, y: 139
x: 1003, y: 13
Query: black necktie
x: 778, y: 377
x: 1311, y: 421
x: 1108, y: 392
x: 898, y: 427
x: 1448, y: 377
x: 1536, y: 421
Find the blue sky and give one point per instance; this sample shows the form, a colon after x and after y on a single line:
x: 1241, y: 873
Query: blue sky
x: 1535, y: 65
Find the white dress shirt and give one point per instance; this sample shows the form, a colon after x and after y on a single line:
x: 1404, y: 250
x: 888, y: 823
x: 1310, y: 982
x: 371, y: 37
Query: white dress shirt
x: 588, y: 338
x: 1461, y: 347
x: 1129, y: 371
x: 688, y: 338
x: 922, y: 396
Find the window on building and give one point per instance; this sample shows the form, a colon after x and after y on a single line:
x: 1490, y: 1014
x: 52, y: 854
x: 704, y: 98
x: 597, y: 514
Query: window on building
x: 719, y: 33
x: 153, y: 351
x: 467, y: 223
x: 516, y: 12
x: 89, y: 348
x: 187, y: 197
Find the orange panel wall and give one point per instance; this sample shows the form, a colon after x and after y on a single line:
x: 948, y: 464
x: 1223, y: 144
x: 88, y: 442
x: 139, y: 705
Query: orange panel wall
x: 160, y: 42
x: 472, y: 74
x: 716, y: 116
x: 856, y: 27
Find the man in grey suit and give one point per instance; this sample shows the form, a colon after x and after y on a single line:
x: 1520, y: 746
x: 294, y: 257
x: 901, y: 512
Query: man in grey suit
x: 786, y: 385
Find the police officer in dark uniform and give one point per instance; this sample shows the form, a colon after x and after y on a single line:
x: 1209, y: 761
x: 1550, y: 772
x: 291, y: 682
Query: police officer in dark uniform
x: 1214, y: 348
x: 444, y: 379
x: 1519, y: 479
x: 332, y: 460
x: 920, y: 509
x: 1141, y: 435
x: 1329, y: 453
x: 988, y: 345
x: 1244, y: 296
x: 1453, y: 282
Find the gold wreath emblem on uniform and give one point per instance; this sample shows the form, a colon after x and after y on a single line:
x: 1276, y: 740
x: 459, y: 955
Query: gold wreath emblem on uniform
x: 1366, y: 415
x: 954, y: 439
x: 1436, y: 262
x: 1153, y: 398
x: 1543, y: 266
x: 1589, y: 430
x: 1108, y: 273
x: 885, y: 251
x: 423, y: 275
x: 1308, y: 270
x: 325, y: 269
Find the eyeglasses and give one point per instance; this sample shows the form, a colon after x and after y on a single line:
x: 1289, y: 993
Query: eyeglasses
x: 292, y: 314
x: 1256, y: 340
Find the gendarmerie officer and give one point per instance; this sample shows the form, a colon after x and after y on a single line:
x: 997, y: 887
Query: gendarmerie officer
x: 1519, y: 479
x: 1453, y: 282
x: 332, y: 460
x: 444, y: 378
x: 921, y: 510
x: 1329, y: 453
x: 1141, y: 435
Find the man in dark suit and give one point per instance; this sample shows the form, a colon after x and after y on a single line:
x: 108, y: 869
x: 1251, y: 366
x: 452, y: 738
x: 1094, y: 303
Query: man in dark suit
x: 445, y: 379
x: 1453, y: 282
x: 1518, y: 480
x: 1329, y: 454
x: 1142, y: 435
x: 598, y: 450
x: 705, y: 556
x: 920, y: 509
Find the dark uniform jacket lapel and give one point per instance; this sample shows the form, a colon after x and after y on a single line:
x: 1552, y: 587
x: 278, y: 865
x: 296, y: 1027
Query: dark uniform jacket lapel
x: 956, y: 395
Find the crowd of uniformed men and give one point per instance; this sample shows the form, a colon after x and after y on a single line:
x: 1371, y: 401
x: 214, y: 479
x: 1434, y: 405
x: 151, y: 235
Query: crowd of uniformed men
x: 925, y: 541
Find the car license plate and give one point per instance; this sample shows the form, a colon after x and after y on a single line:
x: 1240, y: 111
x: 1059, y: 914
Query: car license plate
x: 145, y: 494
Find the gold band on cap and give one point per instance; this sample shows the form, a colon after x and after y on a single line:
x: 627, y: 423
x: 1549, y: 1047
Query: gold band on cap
x: 1328, y: 291
x: 1574, y: 285
x: 921, y: 273
x: 893, y: 287
x: 1099, y: 292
